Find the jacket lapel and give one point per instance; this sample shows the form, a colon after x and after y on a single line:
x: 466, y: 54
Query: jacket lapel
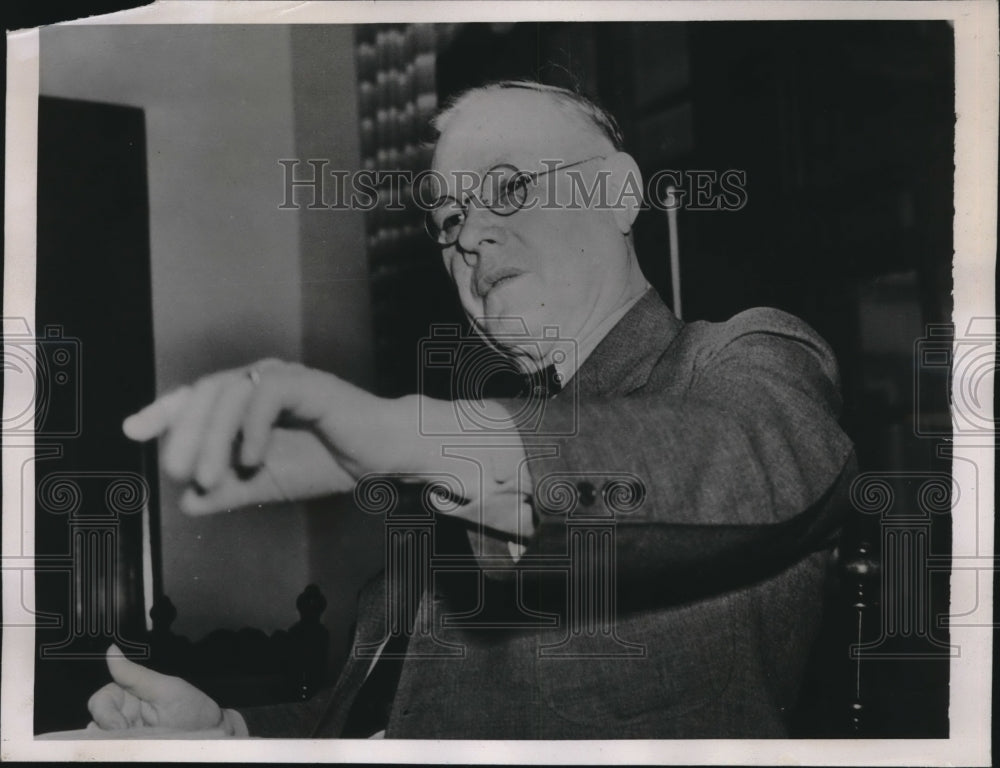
x: 623, y: 360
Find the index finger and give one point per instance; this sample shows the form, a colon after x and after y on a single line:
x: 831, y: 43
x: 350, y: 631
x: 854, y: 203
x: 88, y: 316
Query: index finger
x: 155, y: 418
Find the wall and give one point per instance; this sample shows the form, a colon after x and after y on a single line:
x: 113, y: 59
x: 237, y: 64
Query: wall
x: 344, y: 546
x: 226, y: 270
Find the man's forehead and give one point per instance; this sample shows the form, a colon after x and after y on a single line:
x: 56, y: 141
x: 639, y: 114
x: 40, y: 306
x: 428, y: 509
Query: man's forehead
x: 511, y: 126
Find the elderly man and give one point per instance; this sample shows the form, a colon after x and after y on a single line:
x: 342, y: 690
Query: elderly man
x: 710, y: 452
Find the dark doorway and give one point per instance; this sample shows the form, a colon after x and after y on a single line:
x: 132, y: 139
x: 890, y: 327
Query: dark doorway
x: 94, y: 362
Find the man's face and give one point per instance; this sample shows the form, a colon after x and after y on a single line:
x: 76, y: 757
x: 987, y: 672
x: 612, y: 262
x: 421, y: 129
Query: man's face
x: 550, y: 268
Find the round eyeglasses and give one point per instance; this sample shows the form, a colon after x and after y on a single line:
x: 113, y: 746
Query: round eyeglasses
x: 503, y: 191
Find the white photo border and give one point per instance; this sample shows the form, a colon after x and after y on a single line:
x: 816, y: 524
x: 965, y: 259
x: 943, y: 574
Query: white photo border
x: 976, y: 48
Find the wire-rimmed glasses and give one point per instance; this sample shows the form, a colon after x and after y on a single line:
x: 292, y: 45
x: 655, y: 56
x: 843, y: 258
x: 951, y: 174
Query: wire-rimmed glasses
x: 503, y: 191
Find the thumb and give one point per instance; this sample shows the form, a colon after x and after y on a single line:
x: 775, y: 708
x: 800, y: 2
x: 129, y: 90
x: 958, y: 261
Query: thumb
x: 143, y: 683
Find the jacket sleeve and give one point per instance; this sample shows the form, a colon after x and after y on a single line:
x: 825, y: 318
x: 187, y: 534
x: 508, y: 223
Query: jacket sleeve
x: 295, y: 720
x: 743, y: 470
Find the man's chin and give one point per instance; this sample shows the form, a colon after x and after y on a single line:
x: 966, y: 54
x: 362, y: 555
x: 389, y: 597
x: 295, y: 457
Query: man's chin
x: 509, y: 327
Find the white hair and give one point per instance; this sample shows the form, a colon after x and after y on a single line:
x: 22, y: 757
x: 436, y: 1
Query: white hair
x: 593, y: 116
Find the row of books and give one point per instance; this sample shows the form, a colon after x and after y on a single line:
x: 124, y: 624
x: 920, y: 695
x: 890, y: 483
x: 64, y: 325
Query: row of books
x: 397, y: 97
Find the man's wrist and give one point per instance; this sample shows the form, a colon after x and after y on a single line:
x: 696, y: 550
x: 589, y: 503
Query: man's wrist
x: 422, y: 426
x: 403, y: 419
x: 489, y: 466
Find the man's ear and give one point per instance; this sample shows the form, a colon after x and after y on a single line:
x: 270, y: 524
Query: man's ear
x: 624, y: 190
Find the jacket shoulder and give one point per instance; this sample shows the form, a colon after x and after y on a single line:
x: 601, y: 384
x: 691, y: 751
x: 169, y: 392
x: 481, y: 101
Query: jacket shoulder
x: 762, y: 336
x: 766, y: 320
x: 763, y: 325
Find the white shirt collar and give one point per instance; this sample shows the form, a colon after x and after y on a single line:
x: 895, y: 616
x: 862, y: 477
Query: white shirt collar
x: 585, y: 346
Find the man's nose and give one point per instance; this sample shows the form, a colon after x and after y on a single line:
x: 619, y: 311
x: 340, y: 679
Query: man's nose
x: 481, y: 229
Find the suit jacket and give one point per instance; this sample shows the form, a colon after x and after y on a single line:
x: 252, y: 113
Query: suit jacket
x: 702, y: 469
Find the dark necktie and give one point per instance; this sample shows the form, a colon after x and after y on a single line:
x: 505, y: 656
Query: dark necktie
x: 507, y: 383
x: 544, y: 383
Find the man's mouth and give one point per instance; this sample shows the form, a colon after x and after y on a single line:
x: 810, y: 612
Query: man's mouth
x: 501, y: 277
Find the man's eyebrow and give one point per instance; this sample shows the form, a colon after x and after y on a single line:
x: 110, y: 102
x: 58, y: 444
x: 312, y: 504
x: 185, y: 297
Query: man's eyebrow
x: 500, y: 160
x: 455, y: 175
